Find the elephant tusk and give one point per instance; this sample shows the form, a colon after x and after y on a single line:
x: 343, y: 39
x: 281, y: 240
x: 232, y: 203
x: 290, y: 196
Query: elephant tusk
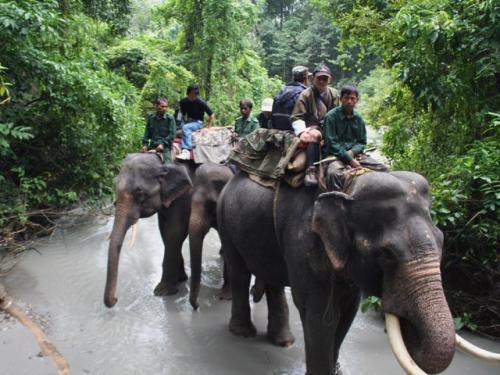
x: 134, y: 235
x: 476, y: 351
x: 398, y: 346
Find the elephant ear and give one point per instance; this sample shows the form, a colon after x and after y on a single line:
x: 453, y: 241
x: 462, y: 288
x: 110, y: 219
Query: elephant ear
x: 174, y: 183
x: 329, y: 221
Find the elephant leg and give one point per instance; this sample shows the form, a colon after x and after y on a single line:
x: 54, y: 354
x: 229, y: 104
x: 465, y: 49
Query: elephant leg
x: 225, y: 292
x: 278, y: 327
x: 319, y: 315
x: 239, y: 276
x: 173, y: 235
x: 199, y: 225
x: 349, y: 298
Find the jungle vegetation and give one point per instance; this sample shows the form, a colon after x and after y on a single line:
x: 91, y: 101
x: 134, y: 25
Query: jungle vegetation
x: 77, y: 78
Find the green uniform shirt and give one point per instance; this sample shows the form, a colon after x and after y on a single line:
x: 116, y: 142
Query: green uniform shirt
x: 159, y: 131
x: 245, y: 127
x: 344, y: 134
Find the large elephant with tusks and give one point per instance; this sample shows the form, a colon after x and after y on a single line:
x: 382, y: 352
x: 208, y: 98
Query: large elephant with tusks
x: 379, y: 237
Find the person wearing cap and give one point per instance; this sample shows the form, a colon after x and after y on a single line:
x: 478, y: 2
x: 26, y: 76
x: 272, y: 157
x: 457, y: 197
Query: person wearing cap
x: 264, y: 117
x: 191, y: 112
x: 285, y: 99
x: 308, y: 114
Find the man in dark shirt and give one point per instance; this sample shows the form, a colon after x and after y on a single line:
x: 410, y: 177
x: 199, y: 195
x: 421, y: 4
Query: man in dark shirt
x: 285, y: 99
x: 191, y: 112
x: 160, y: 130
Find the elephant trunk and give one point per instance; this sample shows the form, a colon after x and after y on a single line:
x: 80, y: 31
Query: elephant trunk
x: 122, y: 223
x: 197, y: 231
x: 415, y: 294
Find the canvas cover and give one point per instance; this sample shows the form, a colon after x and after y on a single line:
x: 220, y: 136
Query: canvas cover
x: 212, y: 145
x: 265, y: 152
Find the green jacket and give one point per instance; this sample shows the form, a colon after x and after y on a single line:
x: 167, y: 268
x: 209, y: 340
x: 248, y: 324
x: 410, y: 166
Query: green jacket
x: 343, y: 134
x: 245, y: 127
x: 159, y: 131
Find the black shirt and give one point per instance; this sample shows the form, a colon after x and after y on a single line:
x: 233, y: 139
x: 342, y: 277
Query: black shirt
x: 194, y: 110
x: 264, y: 122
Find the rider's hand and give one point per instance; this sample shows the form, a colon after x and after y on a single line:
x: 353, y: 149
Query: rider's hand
x: 159, y: 148
x: 144, y: 149
x: 305, y: 137
x: 354, y: 163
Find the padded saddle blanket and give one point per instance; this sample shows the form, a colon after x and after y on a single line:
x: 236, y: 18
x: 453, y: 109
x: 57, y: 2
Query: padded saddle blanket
x: 265, y: 152
x: 212, y: 145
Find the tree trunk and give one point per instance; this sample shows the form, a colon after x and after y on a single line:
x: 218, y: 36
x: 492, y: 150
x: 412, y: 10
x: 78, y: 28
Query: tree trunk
x: 64, y: 7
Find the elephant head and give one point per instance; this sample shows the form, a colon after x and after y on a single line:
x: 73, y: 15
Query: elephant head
x: 382, y: 237
x: 143, y: 187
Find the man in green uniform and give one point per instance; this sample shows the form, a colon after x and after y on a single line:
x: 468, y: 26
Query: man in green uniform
x: 160, y: 131
x: 245, y: 124
x: 345, y: 135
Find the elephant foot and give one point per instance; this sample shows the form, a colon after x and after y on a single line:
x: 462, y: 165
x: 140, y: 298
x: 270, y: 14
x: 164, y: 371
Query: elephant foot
x: 246, y: 329
x: 225, y: 293
x: 163, y: 289
x: 182, y: 277
x: 284, y: 339
x: 338, y: 371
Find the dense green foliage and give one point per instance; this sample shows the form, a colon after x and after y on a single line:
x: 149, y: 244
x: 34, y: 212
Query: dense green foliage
x: 436, y: 94
x: 73, y: 90
x: 297, y: 33
x: 69, y: 121
x: 214, y: 42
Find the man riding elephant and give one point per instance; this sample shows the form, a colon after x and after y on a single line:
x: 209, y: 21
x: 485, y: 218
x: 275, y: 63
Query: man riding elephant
x: 160, y: 131
x: 308, y: 114
x: 345, y: 135
x: 191, y: 112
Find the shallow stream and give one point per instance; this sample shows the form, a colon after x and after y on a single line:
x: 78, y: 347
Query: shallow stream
x: 61, y: 283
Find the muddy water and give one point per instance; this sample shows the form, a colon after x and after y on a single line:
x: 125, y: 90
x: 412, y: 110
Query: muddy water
x: 61, y: 285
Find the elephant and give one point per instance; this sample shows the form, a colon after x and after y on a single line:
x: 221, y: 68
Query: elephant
x: 330, y: 247
x: 209, y: 180
x: 184, y: 196
x: 146, y: 186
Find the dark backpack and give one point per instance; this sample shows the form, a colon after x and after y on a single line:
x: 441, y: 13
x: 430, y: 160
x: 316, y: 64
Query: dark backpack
x: 283, y: 105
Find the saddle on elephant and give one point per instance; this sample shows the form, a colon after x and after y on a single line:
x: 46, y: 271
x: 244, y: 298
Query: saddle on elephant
x: 269, y: 156
x: 211, y: 145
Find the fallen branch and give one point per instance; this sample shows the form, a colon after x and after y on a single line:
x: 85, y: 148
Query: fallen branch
x: 48, y: 349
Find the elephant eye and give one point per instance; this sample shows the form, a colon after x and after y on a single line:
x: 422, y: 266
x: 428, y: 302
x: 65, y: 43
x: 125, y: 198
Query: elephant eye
x: 140, y: 194
x: 387, y: 258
